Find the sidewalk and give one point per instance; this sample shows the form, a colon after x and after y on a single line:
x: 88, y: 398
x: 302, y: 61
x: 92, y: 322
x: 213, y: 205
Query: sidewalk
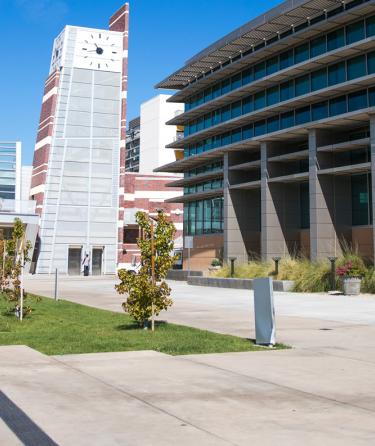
x: 321, y: 392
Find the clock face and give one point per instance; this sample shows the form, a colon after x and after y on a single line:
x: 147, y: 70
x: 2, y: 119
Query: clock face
x: 98, y: 50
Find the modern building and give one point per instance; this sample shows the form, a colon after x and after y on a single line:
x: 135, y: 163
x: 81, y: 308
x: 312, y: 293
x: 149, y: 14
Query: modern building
x: 155, y: 135
x: 79, y: 158
x: 144, y: 190
x: 133, y: 140
x: 10, y: 170
x: 14, y: 192
x: 279, y: 144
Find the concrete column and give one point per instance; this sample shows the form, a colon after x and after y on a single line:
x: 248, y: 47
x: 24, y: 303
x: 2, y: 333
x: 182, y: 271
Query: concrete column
x: 323, y: 238
x: 234, y: 244
x: 273, y: 241
x: 372, y: 143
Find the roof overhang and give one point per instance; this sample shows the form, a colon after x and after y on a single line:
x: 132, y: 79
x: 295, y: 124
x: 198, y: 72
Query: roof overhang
x: 283, y: 17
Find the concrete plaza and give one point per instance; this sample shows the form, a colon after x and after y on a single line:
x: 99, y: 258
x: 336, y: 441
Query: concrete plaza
x: 321, y: 392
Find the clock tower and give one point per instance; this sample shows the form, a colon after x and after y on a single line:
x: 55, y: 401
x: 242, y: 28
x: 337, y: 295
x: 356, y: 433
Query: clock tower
x: 79, y: 162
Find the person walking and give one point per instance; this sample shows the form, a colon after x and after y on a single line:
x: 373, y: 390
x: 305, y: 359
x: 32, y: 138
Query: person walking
x: 86, y: 265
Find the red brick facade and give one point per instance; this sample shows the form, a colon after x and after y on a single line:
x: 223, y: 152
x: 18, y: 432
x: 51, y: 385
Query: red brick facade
x: 45, y: 131
x: 147, y: 193
x: 120, y: 22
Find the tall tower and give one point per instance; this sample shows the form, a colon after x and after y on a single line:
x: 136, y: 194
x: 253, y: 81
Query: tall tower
x: 78, y: 160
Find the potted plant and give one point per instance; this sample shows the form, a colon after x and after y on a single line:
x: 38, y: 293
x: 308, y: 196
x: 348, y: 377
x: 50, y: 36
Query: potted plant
x: 215, y: 264
x: 351, y: 276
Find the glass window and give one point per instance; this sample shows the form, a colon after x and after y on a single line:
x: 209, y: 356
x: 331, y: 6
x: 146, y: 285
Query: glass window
x: 370, y: 26
x: 355, y: 32
x: 236, y: 135
x: 207, y: 216
x: 319, y: 79
x: 207, y: 121
x: 216, y: 91
x: 247, y: 132
x: 225, y: 86
x: 337, y: 106
x: 225, y: 113
x: 303, y: 115
x: 273, y: 96
x: 319, y: 111
x: 236, y: 81
x: 336, y: 39
x: 304, y: 200
x: 247, y: 105
x: 371, y: 96
x: 286, y: 90
x: 371, y: 63
x: 301, y: 53
x: 259, y: 70
x: 336, y: 73
x: 199, y: 147
x: 356, y: 67
x: 226, y: 139
x: 259, y: 100
x: 217, y: 214
x: 287, y: 120
x: 192, y: 214
x: 318, y: 46
x: 200, y: 99
x: 207, y: 95
x: 357, y: 100
x: 216, y: 141
x: 199, y: 218
x: 216, y: 117
x: 302, y: 85
x: 193, y: 127
x: 273, y: 124
x: 236, y: 109
x: 200, y: 124
x: 260, y: 128
x: 247, y: 76
x: 286, y: 59
x: 361, y: 200
x: 272, y: 65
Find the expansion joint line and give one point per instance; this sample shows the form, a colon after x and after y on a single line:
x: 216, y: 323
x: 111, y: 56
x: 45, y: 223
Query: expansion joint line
x: 147, y: 403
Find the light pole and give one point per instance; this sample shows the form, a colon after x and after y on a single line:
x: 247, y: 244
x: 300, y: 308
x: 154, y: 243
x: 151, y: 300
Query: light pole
x: 333, y: 259
x: 232, y: 260
x: 276, y: 260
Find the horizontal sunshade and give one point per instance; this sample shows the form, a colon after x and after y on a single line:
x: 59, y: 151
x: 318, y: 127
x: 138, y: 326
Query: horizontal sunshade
x: 263, y: 28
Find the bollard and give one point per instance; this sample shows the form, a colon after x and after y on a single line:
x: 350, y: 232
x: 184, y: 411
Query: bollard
x: 276, y: 260
x: 232, y: 260
x: 264, y: 311
x: 333, y: 272
x: 55, y: 284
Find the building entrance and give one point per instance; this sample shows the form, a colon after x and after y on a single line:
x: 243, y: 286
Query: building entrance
x: 74, y: 261
x: 97, y: 261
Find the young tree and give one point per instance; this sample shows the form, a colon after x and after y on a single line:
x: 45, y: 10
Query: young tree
x: 15, y: 254
x: 148, y: 293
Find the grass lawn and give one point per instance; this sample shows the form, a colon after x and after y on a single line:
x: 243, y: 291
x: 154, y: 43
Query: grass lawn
x: 58, y: 328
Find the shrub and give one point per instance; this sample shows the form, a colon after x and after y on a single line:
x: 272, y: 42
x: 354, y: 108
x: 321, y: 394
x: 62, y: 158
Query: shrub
x: 215, y: 262
x: 368, y: 281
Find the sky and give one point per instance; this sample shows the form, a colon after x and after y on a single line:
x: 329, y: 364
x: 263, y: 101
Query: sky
x: 163, y: 35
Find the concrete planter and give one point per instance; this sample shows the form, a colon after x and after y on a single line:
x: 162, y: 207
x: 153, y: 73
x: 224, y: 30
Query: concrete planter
x: 352, y: 286
x: 240, y: 284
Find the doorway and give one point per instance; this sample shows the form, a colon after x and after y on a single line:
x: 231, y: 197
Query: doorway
x: 97, y: 261
x: 74, y: 261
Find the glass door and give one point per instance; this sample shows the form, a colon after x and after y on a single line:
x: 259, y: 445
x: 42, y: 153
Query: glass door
x: 74, y: 261
x: 97, y: 260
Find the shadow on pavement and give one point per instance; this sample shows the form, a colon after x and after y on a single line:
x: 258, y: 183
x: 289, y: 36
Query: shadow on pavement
x: 21, y: 425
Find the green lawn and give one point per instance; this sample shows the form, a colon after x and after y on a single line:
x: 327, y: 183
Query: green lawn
x: 58, y: 328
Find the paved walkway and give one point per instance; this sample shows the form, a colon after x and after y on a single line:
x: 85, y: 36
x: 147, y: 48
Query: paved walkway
x: 321, y: 392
